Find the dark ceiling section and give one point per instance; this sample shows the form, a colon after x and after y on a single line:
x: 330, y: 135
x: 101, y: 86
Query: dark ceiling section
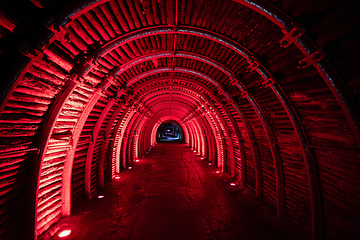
x: 266, y: 90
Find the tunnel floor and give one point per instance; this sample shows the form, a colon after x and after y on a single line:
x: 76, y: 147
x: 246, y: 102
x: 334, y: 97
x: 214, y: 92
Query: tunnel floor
x: 173, y: 194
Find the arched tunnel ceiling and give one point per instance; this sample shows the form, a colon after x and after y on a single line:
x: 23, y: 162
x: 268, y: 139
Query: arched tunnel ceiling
x: 263, y: 89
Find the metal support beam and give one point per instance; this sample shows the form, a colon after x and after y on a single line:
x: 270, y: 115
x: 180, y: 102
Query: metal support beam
x: 126, y: 136
x: 90, y: 151
x: 324, y: 68
x: 229, y: 140
x: 69, y: 160
x: 236, y: 107
x: 258, y: 110
x: 350, y: 116
x: 160, y: 100
x: 42, y: 146
x: 115, y: 152
x: 104, y: 144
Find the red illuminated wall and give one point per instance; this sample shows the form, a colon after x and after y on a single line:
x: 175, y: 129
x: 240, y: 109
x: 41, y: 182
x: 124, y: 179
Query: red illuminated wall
x: 265, y: 90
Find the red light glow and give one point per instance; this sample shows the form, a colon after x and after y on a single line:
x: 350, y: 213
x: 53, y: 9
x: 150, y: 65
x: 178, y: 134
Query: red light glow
x: 137, y: 160
x: 64, y: 233
x: 232, y: 184
x: 129, y: 167
x: 194, y: 151
x: 117, y: 177
x: 210, y: 163
x: 100, y: 196
x: 218, y: 171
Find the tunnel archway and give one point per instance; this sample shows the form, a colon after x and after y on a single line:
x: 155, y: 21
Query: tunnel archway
x: 266, y: 91
x: 170, y: 131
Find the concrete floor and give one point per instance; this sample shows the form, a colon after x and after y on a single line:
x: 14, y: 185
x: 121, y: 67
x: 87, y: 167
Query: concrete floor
x: 173, y: 194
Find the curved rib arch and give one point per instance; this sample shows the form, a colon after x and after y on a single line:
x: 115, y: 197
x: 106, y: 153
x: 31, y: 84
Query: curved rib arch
x: 265, y: 9
x: 259, y: 112
x: 193, y: 100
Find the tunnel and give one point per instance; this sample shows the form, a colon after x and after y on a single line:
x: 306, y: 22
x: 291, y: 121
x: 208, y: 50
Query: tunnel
x: 263, y: 92
x: 170, y: 131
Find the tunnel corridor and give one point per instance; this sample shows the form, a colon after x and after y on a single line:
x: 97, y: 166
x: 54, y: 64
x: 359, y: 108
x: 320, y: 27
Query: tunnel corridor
x: 265, y: 92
